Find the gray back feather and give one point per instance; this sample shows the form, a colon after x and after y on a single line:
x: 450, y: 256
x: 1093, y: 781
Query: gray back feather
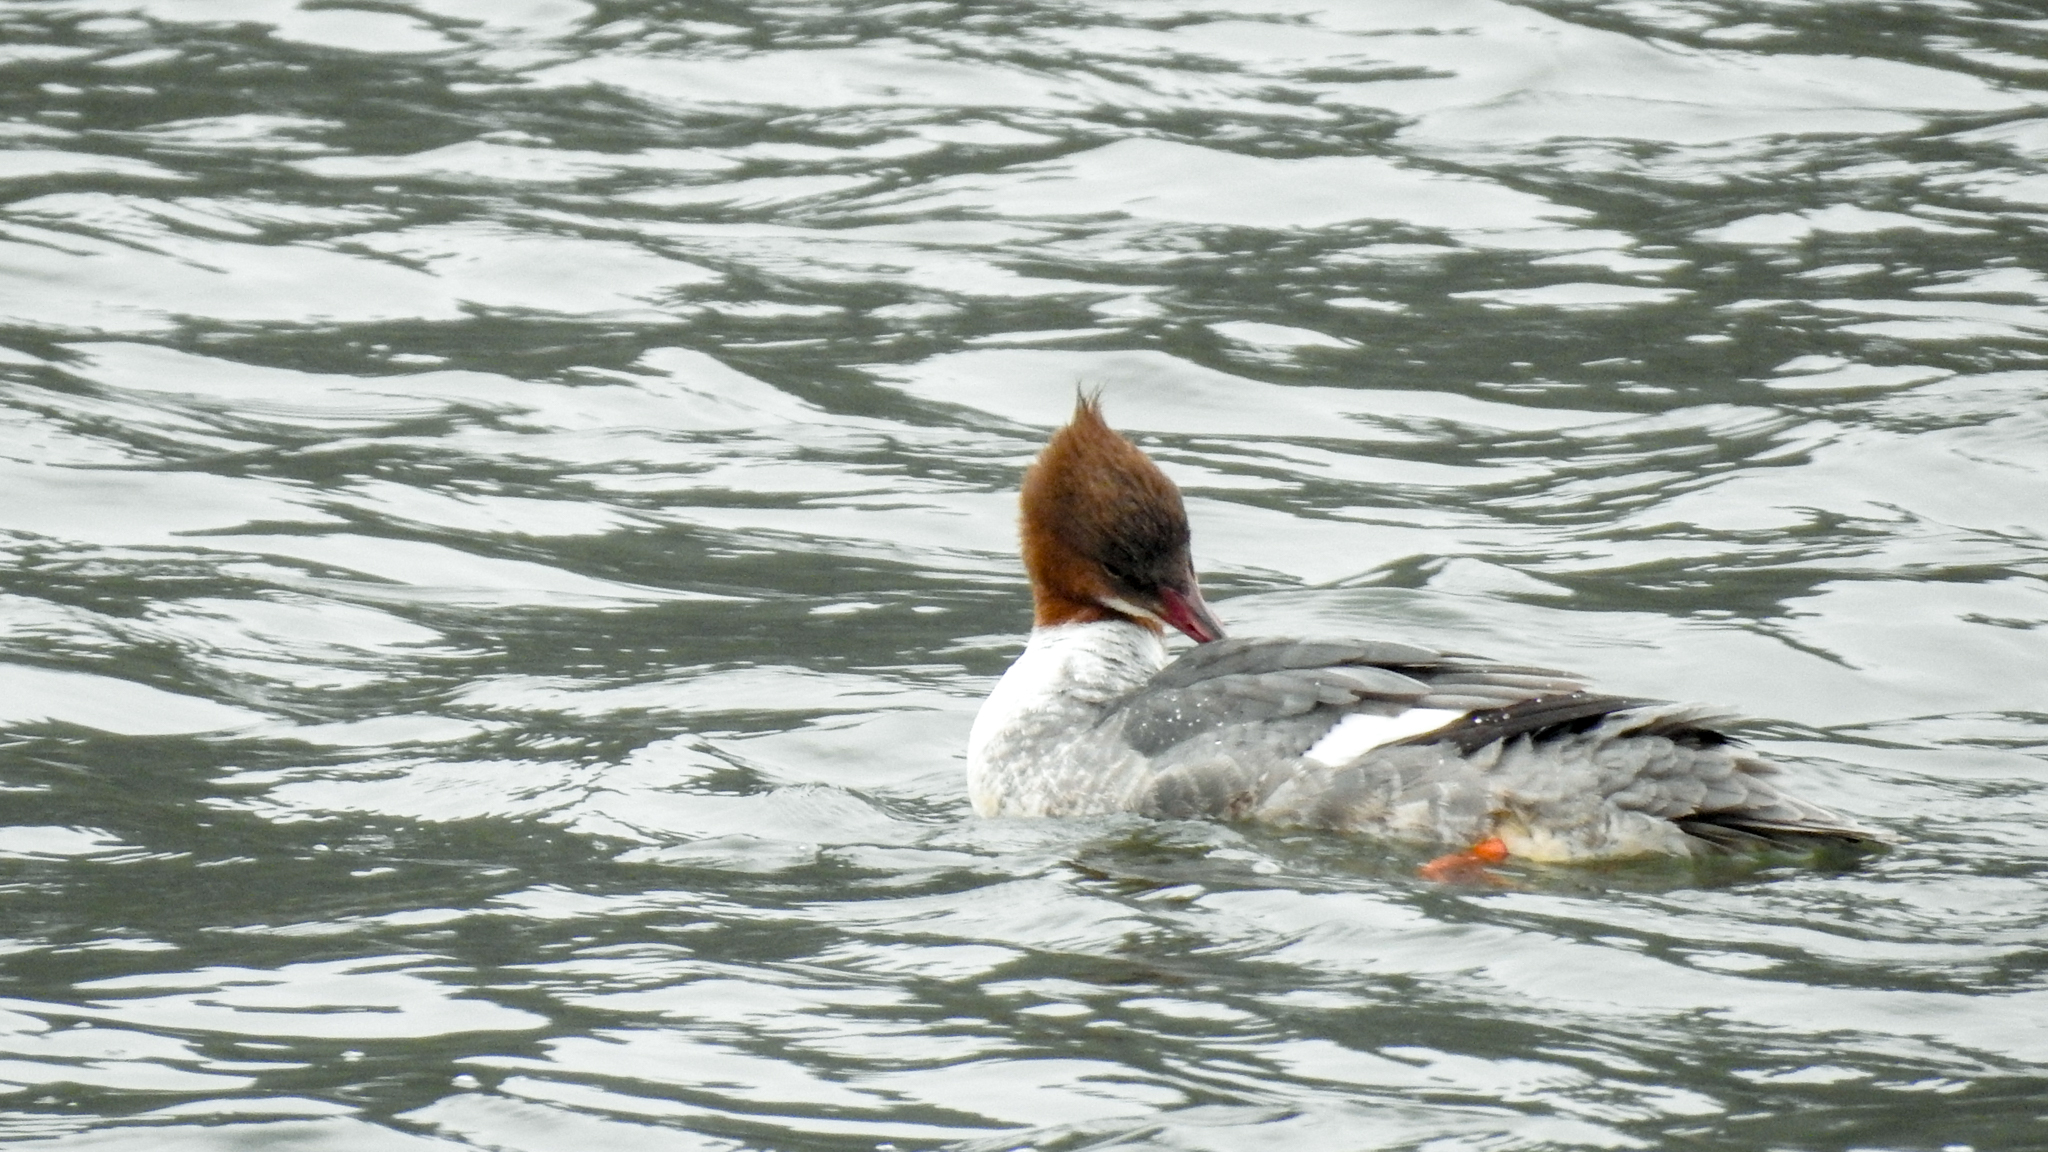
x: 1221, y: 730
x: 1251, y: 681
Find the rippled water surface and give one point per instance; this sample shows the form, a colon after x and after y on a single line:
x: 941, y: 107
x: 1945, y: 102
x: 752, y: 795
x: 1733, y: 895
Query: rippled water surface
x: 507, y: 517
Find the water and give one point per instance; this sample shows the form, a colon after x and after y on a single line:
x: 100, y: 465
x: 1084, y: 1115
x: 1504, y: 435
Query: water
x: 508, y: 517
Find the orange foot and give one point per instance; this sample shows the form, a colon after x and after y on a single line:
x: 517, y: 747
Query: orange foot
x: 1469, y: 866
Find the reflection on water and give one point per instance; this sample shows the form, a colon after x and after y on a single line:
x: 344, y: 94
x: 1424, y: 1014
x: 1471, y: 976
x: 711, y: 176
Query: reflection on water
x: 508, y: 517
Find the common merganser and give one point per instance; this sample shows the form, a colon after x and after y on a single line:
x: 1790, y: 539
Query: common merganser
x: 1366, y: 736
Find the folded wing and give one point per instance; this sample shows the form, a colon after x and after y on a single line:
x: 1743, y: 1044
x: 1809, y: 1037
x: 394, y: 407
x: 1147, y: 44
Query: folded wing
x: 1367, y: 733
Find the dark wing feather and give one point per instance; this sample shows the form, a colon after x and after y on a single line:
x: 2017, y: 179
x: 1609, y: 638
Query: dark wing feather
x: 1535, y: 717
x: 1246, y: 681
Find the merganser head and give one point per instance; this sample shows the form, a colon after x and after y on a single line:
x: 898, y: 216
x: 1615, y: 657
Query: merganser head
x: 1105, y: 535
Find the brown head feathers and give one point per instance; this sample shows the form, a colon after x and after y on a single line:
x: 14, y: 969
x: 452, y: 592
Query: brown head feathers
x: 1105, y: 534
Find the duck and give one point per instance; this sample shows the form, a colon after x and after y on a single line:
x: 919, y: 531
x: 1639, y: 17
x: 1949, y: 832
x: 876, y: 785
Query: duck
x: 1381, y: 738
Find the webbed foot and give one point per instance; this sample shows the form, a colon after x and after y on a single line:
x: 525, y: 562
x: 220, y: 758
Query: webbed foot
x: 1469, y: 866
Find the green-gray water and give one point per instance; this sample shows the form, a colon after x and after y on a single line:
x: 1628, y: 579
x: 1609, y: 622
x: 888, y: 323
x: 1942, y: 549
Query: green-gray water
x: 507, y: 517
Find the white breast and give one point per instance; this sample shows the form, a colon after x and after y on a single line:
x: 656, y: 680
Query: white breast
x: 1022, y: 747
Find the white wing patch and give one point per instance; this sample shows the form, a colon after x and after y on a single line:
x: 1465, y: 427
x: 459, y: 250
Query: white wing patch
x: 1359, y: 733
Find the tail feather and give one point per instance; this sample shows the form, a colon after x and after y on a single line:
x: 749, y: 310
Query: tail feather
x: 1675, y: 762
x: 1743, y: 831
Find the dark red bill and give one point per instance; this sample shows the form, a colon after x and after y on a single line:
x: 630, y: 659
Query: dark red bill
x: 1185, y: 611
